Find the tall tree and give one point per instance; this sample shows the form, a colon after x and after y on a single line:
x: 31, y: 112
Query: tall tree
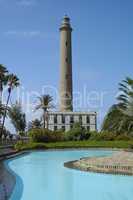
x: 34, y: 124
x: 125, y: 99
x: 3, y: 79
x: 3, y: 82
x: 13, y: 82
x: 45, y: 103
x: 119, y: 119
x: 18, y: 117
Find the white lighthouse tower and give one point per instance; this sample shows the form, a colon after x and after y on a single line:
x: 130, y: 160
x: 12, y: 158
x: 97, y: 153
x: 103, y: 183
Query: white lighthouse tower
x: 65, y: 118
x: 66, y: 85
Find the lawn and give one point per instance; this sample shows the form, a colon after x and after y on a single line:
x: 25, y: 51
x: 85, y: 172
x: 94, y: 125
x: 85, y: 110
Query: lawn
x: 76, y: 144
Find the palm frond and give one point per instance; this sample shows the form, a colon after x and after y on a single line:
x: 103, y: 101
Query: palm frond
x: 119, y: 118
x: 13, y: 81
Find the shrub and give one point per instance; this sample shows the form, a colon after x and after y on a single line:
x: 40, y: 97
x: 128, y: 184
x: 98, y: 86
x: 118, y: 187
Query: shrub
x: 102, y: 136
x: 76, y: 133
x: 57, y: 136
x: 107, y: 136
x: 87, y: 135
x: 20, y: 146
x: 73, y: 134
x: 40, y: 135
x: 124, y: 137
x: 45, y: 135
x: 22, y: 133
x: 93, y: 135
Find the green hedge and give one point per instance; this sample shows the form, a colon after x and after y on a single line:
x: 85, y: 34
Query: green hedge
x: 108, y: 136
x: 75, y: 144
x: 75, y: 134
x: 45, y: 135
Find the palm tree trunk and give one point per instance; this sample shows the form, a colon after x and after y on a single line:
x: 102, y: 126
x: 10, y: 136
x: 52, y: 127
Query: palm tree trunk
x: 47, y: 119
x: 4, y: 117
x: 1, y: 90
x: 44, y: 119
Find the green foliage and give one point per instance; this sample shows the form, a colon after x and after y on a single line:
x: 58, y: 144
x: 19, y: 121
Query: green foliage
x: 93, y: 135
x: 20, y: 146
x: 106, y: 136
x: 124, y: 137
x: 5, y: 133
x: 87, y: 135
x: 35, y: 124
x: 3, y: 82
x: 17, y: 117
x: 44, y: 104
x: 13, y: 81
x: 45, y: 135
x: 75, y: 144
x: 119, y: 119
x: 22, y: 133
x: 2, y: 111
x: 10, y: 81
x: 115, y: 121
x: 76, y: 133
x: 40, y: 135
x: 3, y: 76
x: 57, y: 135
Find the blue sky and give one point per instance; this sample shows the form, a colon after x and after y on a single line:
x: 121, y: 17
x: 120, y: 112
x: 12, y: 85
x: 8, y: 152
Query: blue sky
x: 102, y: 46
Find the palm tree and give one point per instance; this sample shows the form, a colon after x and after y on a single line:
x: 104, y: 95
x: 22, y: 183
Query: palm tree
x: 119, y: 119
x: 3, y: 79
x: 13, y: 82
x: 2, y: 110
x: 126, y: 97
x: 18, y: 117
x: 35, y: 124
x: 45, y: 103
x: 3, y: 82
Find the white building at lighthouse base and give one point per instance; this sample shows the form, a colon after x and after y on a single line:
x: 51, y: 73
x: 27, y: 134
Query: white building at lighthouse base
x: 65, y: 120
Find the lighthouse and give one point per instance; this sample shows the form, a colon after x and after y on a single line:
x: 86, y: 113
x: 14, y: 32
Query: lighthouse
x: 66, y: 81
x: 65, y: 118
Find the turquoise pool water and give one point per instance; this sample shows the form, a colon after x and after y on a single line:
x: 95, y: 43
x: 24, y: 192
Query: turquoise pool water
x: 42, y: 176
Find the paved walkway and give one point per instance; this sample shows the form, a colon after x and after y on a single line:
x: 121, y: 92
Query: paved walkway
x: 6, y: 151
x: 7, y: 180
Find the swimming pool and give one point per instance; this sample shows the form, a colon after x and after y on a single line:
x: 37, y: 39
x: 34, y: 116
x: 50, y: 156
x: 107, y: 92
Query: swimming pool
x: 41, y: 175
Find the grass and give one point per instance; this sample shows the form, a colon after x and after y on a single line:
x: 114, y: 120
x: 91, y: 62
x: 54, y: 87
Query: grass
x: 75, y: 144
